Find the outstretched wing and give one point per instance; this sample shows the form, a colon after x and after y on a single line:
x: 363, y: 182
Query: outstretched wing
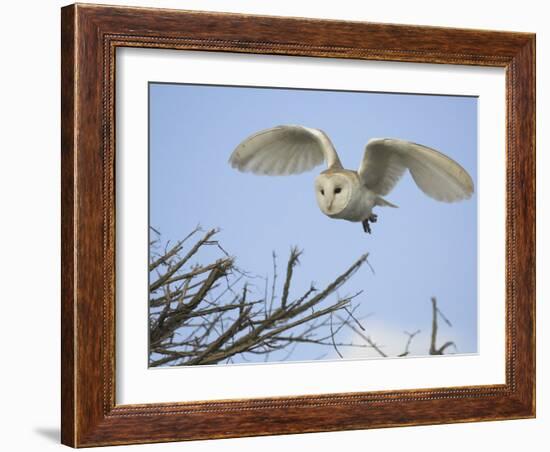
x: 284, y: 150
x: 437, y: 175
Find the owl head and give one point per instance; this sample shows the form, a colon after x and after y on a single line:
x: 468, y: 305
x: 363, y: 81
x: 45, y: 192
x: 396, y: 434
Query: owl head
x: 333, y: 190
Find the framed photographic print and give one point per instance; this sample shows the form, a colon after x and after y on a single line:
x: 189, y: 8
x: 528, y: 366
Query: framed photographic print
x: 281, y: 225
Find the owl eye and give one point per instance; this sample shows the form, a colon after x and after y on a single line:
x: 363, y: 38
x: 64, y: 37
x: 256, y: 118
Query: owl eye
x: 322, y: 192
x: 337, y: 190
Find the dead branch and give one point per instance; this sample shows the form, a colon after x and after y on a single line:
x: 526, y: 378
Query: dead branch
x: 409, y: 340
x: 434, y: 350
x: 361, y: 331
x: 198, y: 315
x: 208, y: 313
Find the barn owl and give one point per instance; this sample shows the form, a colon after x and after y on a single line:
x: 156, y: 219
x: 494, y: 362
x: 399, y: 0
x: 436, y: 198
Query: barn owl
x: 346, y: 194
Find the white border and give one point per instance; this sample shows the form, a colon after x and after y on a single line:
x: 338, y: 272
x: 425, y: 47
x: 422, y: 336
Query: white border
x: 135, y: 383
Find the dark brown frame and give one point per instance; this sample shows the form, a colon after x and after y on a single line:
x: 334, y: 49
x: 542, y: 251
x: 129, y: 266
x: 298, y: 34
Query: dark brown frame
x: 90, y: 34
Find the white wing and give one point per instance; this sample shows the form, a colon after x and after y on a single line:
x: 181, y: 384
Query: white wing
x: 437, y: 175
x: 284, y: 150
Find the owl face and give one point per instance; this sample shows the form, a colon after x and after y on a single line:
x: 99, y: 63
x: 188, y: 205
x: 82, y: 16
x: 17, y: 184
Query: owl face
x: 333, y: 192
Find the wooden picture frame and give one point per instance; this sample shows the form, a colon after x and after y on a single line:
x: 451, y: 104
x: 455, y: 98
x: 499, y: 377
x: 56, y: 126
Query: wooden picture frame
x: 90, y: 35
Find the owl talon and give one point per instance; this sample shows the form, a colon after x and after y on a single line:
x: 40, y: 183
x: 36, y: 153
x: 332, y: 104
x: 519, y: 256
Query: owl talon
x: 366, y: 226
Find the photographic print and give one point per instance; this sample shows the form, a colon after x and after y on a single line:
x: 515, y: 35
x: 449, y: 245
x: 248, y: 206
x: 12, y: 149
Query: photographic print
x: 303, y: 225
x: 336, y: 220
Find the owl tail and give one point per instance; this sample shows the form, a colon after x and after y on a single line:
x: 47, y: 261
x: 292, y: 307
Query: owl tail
x: 382, y: 202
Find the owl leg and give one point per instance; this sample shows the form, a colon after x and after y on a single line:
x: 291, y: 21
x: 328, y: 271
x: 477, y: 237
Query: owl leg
x: 366, y: 226
x: 373, y: 218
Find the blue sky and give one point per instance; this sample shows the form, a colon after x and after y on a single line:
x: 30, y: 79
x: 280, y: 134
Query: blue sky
x: 422, y: 249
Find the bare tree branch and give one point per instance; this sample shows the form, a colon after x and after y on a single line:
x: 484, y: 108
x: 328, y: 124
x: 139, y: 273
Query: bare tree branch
x: 363, y: 336
x: 207, y: 320
x: 208, y: 313
x: 409, y: 340
x: 164, y: 278
x: 434, y: 350
x: 292, y: 262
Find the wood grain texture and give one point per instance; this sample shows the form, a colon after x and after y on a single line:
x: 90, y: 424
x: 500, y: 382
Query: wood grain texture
x: 67, y: 225
x: 90, y: 36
